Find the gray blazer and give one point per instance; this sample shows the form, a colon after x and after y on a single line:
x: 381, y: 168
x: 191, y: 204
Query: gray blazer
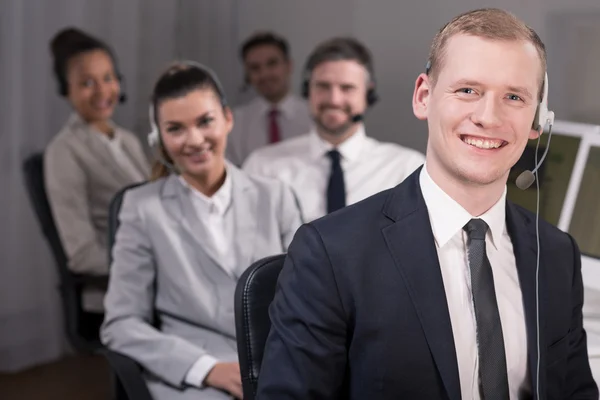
x: 162, y: 269
x: 81, y: 177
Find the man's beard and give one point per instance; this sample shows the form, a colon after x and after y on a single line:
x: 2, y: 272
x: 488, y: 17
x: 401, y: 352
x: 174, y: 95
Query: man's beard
x: 338, y: 130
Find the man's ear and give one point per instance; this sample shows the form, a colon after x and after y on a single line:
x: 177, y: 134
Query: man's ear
x: 534, y: 134
x: 421, y: 96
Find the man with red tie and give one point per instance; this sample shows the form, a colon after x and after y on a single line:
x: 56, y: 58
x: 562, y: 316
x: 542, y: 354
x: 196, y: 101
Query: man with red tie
x: 275, y: 114
x: 336, y: 163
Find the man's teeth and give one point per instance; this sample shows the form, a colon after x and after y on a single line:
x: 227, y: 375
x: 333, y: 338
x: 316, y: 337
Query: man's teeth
x: 483, y: 143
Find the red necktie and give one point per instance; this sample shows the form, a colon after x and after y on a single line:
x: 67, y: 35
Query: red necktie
x: 274, y: 135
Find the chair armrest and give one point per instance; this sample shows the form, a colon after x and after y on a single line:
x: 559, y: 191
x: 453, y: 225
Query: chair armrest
x: 128, y: 375
x: 97, y: 281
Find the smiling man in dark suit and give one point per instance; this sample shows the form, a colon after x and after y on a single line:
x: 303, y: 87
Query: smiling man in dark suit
x: 428, y: 290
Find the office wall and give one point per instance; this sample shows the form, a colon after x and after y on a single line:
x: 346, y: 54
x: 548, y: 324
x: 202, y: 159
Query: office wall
x: 399, y: 34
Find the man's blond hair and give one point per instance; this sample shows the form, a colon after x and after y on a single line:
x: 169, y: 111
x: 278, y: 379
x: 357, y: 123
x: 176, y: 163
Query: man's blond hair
x: 487, y: 23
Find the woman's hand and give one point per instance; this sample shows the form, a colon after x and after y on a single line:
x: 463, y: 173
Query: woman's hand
x: 226, y: 376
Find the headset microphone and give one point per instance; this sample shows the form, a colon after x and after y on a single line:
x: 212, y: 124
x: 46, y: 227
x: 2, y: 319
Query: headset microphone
x: 526, y: 178
x: 123, y: 89
x: 357, y: 118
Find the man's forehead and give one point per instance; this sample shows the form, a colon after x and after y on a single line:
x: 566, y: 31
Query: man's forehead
x: 465, y: 54
x: 340, y: 67
x: 262, y: 53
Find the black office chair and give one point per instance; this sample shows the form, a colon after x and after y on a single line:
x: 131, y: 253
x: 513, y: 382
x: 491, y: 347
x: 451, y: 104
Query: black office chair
x: 114, y: 209
x: 253, y: 295
x: 127, y: 379
x: 81, y: 327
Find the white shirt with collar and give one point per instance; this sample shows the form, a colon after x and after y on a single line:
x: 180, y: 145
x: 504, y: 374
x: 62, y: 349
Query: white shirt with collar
x: 216, y: 214
x: 369, y: 167
x: 447, y: 219
x: 251, y: 125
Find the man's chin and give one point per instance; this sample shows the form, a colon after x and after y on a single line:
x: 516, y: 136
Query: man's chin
x: 337, y: 130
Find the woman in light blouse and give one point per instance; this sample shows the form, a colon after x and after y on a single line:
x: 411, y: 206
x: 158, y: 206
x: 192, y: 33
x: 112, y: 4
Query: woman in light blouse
x: 185, y: 239
x: 91, y: 158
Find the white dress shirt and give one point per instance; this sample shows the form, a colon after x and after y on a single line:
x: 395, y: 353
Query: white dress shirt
x: 122, y: 158
x: 216, y: 215
x: 369, y: 167
x: 251, y: 125
x: 447, y: 220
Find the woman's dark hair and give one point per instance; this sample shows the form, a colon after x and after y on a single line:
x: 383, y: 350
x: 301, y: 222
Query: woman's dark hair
x: 71, y: 42
x: 177, y: 81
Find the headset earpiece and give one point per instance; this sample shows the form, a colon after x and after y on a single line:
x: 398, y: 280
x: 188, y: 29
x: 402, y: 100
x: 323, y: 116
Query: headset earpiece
x: 154, y: 135
x: 305, y: 87
x: 372, y: 96
x: 543, y: 116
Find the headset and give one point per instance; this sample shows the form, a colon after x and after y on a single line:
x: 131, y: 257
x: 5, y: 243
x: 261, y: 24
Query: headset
x: 154, y: 138
x: 372, y: 94
x: 543, y: 117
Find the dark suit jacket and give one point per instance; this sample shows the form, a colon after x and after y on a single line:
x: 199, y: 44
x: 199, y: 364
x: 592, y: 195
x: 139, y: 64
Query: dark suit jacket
x: 361, y: 313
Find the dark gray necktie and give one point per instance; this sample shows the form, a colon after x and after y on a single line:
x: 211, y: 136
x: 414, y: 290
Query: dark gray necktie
x: 336, y: 188
x: 493, y: 379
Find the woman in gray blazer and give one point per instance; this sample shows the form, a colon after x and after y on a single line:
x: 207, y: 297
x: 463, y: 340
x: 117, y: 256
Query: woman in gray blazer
x: 91, y: 158
x: 184, y: 240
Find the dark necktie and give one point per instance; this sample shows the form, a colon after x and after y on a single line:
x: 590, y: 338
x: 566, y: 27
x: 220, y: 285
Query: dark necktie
x: 493, y: 379
x: 336, y: 190
x: 274, y: 134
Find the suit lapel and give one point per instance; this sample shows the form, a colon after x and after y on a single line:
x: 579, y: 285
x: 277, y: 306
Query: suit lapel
x: 177, y: 202
x: 245, y: 208
x: 522, y: 233
x: 410, y: 241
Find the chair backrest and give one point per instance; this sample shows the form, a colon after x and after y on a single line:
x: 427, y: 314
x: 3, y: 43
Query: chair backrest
x: 113, y: 215
x: 33, y: 169
x: 253, y: 295
x: 77, y: 326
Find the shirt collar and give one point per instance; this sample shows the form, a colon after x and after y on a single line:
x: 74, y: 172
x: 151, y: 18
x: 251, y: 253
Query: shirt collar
x: 285, y: 106
x: 349, y: 149
x: 448, y: 217
x: 222, y: 198
x: 116, y: 140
